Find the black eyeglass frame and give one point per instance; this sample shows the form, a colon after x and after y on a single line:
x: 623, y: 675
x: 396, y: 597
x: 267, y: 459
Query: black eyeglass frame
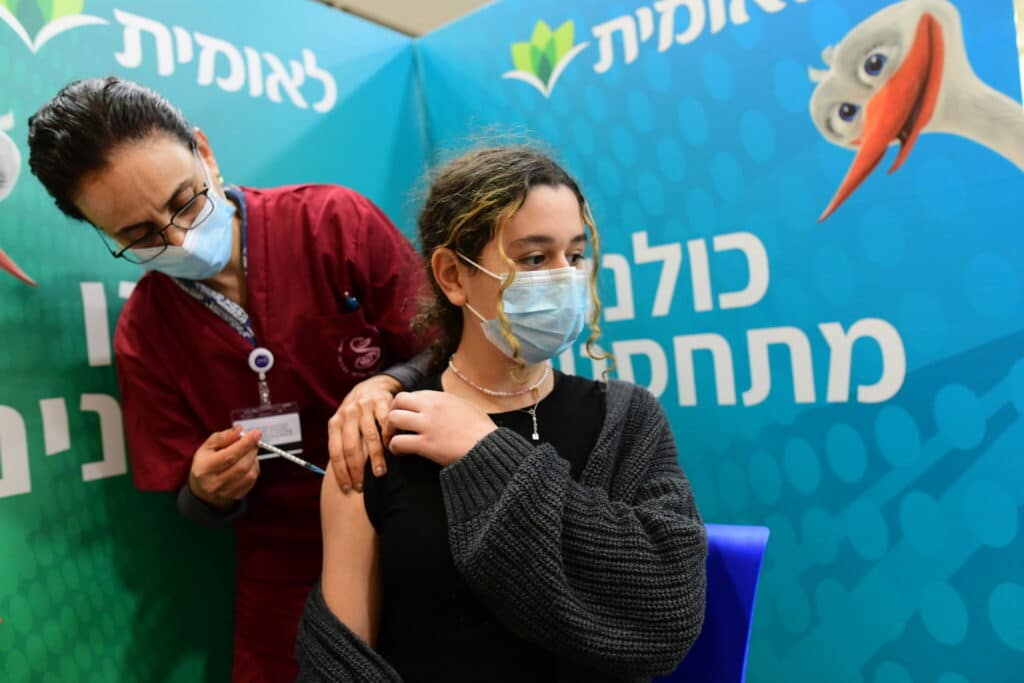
x: 162, y: 232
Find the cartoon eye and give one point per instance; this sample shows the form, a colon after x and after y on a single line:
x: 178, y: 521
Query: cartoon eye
x: 875, y: 63
x: 844, y: 122
x: 848, y: 112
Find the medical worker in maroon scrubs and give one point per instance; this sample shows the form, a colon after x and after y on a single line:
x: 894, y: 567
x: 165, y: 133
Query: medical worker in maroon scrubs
x: 261, y: 311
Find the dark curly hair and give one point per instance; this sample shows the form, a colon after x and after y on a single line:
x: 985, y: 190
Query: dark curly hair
x: 469, y: 201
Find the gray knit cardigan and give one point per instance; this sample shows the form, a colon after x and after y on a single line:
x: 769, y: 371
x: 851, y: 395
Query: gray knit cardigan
x: 607, y: 572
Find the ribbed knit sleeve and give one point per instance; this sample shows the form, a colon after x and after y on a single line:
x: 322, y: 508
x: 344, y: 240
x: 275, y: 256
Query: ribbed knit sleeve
x: 327, y: 651
x: 609, y: 574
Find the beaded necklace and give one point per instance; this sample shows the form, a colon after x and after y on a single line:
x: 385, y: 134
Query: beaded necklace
x: 507, y: 394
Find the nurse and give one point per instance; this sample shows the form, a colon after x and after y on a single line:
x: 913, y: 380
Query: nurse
x: 261, y: 310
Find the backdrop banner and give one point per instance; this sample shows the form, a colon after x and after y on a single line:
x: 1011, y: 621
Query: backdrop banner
x: 97, y: 581
x: 839, y: 348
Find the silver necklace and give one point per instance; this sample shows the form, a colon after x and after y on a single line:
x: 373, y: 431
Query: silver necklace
x: 533, y: 416
x: 504, y: 394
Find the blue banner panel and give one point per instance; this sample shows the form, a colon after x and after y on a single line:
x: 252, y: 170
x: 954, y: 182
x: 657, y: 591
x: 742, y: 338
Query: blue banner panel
x: 811, y: 218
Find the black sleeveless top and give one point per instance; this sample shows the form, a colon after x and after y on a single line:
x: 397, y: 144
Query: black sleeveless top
x: 433, y: 628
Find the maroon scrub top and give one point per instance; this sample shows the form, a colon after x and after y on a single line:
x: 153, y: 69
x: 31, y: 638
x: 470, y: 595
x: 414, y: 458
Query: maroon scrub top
x: 183, y: 370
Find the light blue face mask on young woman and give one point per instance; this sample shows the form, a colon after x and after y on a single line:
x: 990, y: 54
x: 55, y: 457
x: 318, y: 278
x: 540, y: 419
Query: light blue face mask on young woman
x: 205, y: 250
x: 546, y: 311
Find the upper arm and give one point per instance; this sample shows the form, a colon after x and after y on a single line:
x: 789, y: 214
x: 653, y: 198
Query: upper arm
x: 162, y: 432
x: 351, y: 569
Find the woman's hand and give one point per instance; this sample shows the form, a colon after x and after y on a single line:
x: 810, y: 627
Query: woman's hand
x: 225, y: 468
x: 352, y: 433
x: 435, y: 425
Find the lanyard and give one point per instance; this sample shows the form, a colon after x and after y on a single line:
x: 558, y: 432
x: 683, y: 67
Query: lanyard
x: 221, y: 306
x: 261, y: 360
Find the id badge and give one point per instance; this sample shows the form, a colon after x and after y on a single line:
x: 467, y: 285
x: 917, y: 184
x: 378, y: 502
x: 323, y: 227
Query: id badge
x: 278, y: 423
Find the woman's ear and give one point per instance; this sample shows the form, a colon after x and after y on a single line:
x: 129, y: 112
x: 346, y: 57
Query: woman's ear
x: 447, y: 273
x: 206, y: 154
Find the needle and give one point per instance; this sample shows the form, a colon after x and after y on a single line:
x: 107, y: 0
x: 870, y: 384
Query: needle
x: 288, y: 456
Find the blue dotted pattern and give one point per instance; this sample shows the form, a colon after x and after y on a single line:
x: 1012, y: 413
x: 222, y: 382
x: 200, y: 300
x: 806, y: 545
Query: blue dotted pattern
x: 894, y: 525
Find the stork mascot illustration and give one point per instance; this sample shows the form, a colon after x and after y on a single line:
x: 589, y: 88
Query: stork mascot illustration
x: 10, y: 166
x: 902, y: 72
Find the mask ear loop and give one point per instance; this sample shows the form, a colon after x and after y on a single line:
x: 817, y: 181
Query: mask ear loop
x: 474, y: 311
x: 476, y: 265
x: 483, y: 270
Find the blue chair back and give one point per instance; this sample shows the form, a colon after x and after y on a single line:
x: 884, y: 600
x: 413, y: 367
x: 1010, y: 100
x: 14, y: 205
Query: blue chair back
x: 734, y: 563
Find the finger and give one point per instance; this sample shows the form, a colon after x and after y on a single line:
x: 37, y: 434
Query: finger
x: 409, y: 400
x: 387, y: 431
x: 336, y: 445
x: 244, y: 482
x: 226, y: 458
x: 405, y: 444
x: 238, y: 469
x: 381, y: 406
x: 352, y: 447
x: 371, y: 441
x: 406, y: 421
x: 340, y: 469
x: 224, y: 438
x: 229, y: 484
x: 334, y: 438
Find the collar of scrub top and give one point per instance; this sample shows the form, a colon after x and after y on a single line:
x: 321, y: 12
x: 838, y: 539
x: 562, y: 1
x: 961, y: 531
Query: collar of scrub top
x: 221, y: 306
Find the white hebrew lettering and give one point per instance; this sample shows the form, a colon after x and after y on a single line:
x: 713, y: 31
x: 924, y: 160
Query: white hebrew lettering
x: 281, y: 78
x: 130, y: 56
x: 14, y: 474
x: 894, y: 360
x: 624, y: 352
x: 56, y: 435
x: 114, y: 462
x: 606, y: 47
x: 721, y: 355
x: 209, y: 48
x: 799, y: 347
x: 700, y: 275
x: 97, y: 327
x: 757, y: 266
x: 667, y: 30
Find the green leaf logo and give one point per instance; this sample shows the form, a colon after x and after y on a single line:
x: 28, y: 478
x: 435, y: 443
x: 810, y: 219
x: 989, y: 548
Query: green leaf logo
x: 35, y: 14
x: 36, y: 21
x: 542, y: 60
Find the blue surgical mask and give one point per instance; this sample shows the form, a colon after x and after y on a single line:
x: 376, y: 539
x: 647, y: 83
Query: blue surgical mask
x: 205, y: 250
x: 546, y: 311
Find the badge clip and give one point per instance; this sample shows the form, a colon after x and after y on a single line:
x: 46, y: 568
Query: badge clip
x: 261, y: 360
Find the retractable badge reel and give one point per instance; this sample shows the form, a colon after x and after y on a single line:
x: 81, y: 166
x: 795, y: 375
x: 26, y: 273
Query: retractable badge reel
x: 279, y: 423
x: 261, y: 360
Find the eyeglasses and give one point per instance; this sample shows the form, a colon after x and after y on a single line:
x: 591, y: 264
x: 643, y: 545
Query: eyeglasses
x: 190, y: 216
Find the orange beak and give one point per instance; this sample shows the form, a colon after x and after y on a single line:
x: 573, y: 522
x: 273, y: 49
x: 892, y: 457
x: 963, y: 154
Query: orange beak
x: 899, y: 111
x: 11, y: 267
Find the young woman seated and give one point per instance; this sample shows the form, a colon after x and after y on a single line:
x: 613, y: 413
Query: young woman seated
x: 532, y: 525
